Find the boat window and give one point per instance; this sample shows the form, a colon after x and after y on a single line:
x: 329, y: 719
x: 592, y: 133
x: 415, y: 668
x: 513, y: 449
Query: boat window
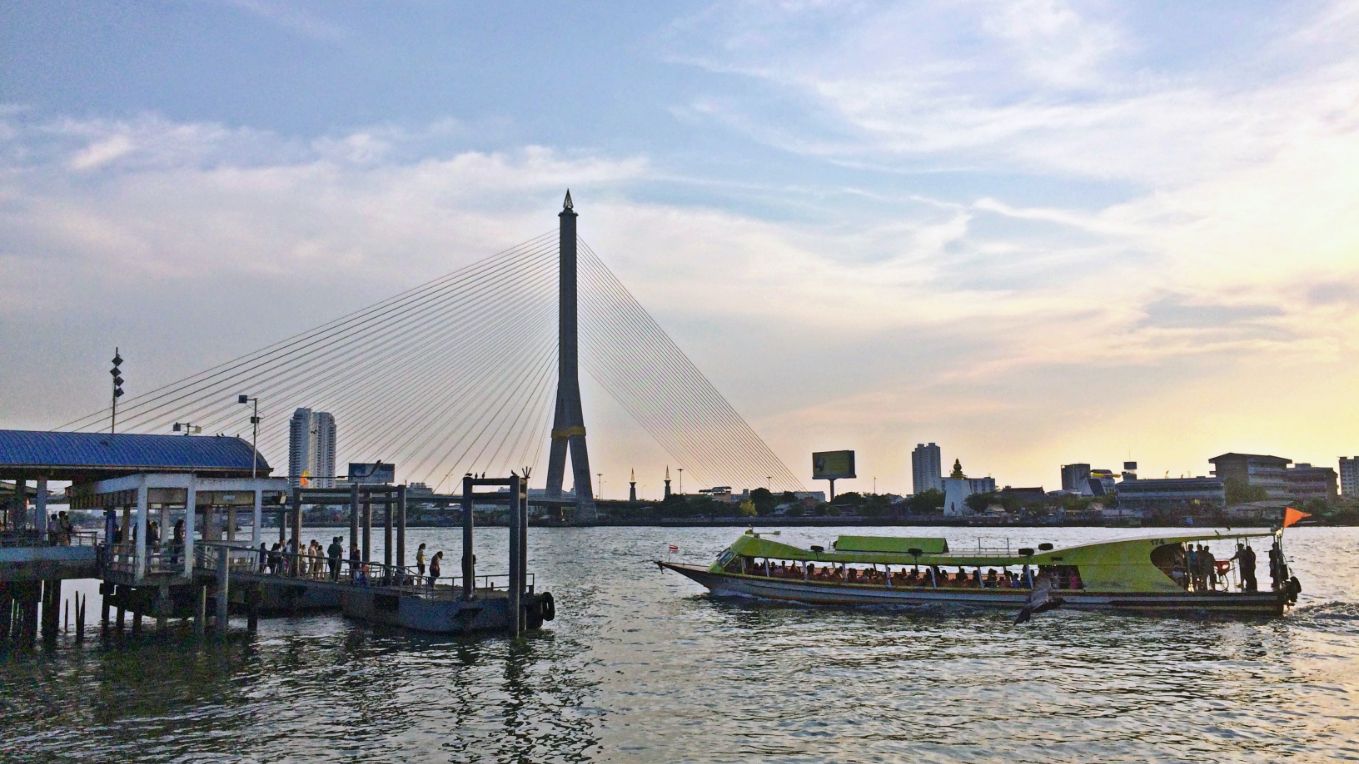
x: 1169, y: 558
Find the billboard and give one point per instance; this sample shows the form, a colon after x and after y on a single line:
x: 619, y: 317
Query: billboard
x: 832, y: 465
x: 372, y: 473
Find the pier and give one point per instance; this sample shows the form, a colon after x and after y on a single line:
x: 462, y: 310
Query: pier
x: 172, y: 546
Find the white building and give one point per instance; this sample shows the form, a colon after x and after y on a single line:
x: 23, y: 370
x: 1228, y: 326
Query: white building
x: 311, y: 448
x: 926, y: 468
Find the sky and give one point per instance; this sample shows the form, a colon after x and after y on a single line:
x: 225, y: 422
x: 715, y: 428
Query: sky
x: 1032, y: 232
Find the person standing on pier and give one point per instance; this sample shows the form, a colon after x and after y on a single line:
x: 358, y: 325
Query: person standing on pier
x: 355, y: 559
x: 434, y: 568
x: 420, y: 561
x: 335, y: 551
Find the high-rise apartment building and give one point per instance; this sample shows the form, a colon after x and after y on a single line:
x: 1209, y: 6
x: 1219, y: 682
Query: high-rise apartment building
x: 311, y: 448
x: 1349, y: 476
x: 926, y: 468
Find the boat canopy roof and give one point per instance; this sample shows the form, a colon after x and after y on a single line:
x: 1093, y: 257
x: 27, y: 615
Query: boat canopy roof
x: 895, y: 544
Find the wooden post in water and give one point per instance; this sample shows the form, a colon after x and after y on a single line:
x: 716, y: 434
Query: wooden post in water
x: 80, y: 617
x: 120, y: 593
x: 353, y: 522
x: 105, y: 593
x: 367, y: 527
x: 223, y: 594
x: 295, y: 514
x: 200, y: 613
x: 387, y: 535
x: 516, y: 583
x: 401, y: 529
x: 469, y: 557
x: 252, y: 606
x: 6, y: 612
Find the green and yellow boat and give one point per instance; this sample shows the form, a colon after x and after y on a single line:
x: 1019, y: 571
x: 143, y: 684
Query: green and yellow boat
x: 1161, y: 574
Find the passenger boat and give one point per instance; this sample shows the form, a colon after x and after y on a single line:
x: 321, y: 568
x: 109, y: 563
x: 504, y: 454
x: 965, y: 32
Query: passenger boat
x: 1143, y: 575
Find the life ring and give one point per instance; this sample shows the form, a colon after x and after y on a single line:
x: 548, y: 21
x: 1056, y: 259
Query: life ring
x: 547, y: 606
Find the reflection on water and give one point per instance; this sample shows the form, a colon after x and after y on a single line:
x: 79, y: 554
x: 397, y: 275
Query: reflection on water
x: 641, y: 666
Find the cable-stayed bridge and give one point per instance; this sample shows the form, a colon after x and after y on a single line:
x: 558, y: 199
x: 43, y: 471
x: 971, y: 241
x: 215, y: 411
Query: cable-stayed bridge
x: 477, y: 371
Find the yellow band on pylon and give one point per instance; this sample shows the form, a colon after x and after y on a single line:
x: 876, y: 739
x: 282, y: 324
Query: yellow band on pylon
x: 567, y: 432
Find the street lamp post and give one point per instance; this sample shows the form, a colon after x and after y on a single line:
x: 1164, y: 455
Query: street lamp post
x: 681, y: 481
x: 254, y: 432
x: 600, y: 491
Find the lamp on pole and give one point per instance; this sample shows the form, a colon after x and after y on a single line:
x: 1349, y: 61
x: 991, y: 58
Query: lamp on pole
x: 681, y: 481
x: 254, y: 432
x: 600, y: 491
x: 117, y: 389
x: 769, y: 483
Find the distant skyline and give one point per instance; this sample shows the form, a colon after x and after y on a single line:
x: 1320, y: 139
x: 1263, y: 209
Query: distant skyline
x: 1035, y: 233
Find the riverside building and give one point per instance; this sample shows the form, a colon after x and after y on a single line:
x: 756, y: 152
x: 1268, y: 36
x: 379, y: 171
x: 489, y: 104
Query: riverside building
x: 1349, y: 475
x: 311, y: 448
x: 926, y: 468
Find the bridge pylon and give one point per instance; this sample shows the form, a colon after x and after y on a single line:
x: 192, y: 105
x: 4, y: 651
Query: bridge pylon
x: 568, y: 423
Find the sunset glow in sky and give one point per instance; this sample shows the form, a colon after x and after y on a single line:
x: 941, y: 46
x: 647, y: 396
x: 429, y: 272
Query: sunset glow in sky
x: 1032, y: 232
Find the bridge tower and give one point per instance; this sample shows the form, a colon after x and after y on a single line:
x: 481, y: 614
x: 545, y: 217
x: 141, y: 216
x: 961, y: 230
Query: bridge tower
x: 568, y: 424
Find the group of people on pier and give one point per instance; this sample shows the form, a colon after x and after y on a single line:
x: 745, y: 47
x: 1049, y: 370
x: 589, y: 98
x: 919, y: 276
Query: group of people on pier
x: 318, y: 563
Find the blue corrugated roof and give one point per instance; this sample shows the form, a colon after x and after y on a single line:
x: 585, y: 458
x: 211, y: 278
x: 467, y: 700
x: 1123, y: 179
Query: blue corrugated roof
x: 73, y: 452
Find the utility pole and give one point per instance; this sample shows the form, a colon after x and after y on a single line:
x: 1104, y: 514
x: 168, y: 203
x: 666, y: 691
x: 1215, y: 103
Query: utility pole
x: 254, y: 433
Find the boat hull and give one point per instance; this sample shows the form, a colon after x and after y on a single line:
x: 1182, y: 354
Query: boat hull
x: 830, y: 593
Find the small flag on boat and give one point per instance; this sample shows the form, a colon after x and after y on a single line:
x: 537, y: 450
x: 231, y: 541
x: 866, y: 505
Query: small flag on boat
x: 673, y: 549
x: 1294, y: 516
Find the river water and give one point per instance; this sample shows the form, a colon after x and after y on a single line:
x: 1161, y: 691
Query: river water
x: 644, y: 666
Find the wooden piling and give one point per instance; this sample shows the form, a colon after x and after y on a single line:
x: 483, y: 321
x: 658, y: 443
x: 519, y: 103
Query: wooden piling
x: 223, y: 594
x: 401, y: 527
x: 80, y: 617
x: 469, y: 557
x: 367, y: 528
x: 387, y: 535
x: 200, y: 615
x: 516, y: 583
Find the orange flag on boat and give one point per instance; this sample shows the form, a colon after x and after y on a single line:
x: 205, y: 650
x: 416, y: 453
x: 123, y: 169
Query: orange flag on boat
x: 1294, y: 516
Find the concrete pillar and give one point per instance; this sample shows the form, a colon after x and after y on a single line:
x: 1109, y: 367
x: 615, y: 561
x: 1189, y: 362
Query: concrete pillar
x: 190, y: 511
x: 258, y: 518
x: 568, y: 424
x: 231, y: 524
x: 141, y: 531
x: 40, y: 505
x: 19, y: 513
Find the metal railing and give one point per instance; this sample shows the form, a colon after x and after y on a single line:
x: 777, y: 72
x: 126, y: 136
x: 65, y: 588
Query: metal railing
x: 160, y: 559
x: 311, y: 567
x: 31, y: 538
